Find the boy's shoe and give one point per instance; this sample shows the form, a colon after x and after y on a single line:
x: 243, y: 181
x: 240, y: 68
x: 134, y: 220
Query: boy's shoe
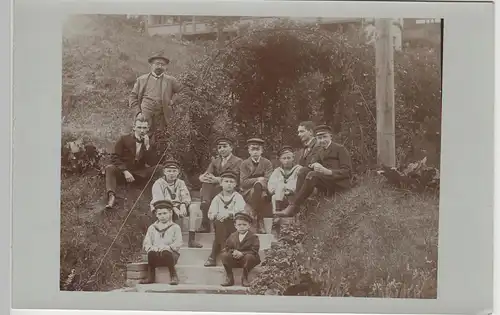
x: 111, y: 201
x: 192, y: 243
x: 210, y: 262
x: 245, y: 282
x: 229, y: 281
x: 174, y: 279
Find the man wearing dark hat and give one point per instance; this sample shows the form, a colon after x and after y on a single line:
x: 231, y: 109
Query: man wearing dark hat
x: 152, y: 92
x: 134, y: 158
x: 254, y: 176
x: 330, y: 170
x: 309, y: 142
x: 211, y: 180
x: 241, y: 250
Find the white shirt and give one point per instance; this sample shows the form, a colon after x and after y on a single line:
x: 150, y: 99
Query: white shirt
x: 138, y: 146
x: 224, y: 160
x: 256, y: 161
x: 242, y: 236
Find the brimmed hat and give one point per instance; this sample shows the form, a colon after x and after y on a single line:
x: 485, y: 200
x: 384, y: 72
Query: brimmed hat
x: 284, y: 149
x: 220, y: 140
x: 171, y: 164
x: 163, y: 204
x: 229, y: 174
x: 322, y: 129
x: 257, y: 141
x: 243, y: 216
x: 158, y: 56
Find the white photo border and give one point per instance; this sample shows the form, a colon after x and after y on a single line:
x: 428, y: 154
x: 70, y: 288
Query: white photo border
x: 465, y: 260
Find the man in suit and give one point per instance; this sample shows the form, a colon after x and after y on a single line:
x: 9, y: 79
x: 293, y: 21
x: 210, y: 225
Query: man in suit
x: 254, y: 176
x: 211, y: 179
x: 134, y: 158
x: 241, y: 250
x: 306, y: 135
x: 152, y: 93
x: 330, y: 170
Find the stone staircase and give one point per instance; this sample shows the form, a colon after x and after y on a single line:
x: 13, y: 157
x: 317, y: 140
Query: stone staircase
x: 193, y: 276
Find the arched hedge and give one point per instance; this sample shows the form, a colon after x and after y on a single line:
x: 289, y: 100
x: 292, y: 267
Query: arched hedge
x: 266, y: 81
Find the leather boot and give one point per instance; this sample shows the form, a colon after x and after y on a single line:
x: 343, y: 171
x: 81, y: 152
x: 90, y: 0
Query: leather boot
x: 244, y: 279
x: 210, y: 262
x: 111, y: 200
x: 192, y: 243
x: 229, y: 278
x: 174, y: 279
x: 260, y: 226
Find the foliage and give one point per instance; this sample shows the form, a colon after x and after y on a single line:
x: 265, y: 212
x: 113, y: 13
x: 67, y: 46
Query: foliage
x: 416, y: 176
x: 78, y: 157
x: 372, y: 241
x: 277, y: 74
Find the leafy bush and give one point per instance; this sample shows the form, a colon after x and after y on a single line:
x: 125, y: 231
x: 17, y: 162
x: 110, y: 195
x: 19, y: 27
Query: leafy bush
x: 372, y: 241
x: 266, y: 81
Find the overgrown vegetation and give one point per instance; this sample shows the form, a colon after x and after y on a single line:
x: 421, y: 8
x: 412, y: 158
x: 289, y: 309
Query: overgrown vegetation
x: 373, y: 241
x: 261, y: 84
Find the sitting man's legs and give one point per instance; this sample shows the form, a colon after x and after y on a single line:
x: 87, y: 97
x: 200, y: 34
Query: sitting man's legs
x: 308, y: 181
x: 112, y: 173
x: 261, y: 205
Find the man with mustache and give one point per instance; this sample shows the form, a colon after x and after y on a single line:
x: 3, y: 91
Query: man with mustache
x: 330, y: 170
x: 134, y: 158
x: 152, y: 93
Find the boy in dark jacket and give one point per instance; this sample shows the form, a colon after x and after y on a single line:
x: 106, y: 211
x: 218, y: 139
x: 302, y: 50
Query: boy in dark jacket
x: 241, y: 250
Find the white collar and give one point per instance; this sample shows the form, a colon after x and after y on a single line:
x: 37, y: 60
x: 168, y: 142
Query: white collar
x: 329, y: 144
x: 154, y: 75
x: 258, y: 160
x: 227, y: 157
x: 309, y: 142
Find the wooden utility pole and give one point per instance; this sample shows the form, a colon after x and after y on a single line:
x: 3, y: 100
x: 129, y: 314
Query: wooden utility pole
x: 384, y: 67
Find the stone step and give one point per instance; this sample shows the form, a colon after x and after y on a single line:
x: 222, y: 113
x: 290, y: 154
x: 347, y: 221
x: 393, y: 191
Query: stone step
x: 206, y: 239
x: 201, y: 275
x: 197, y: 256
x: 189, y: 288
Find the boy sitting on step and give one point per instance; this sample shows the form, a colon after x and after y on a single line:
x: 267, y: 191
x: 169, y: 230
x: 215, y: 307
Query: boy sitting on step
x: 283, y: 181
x: 163, y: 241
x: 254, y: 175
x: 170, y: 187
x: 241, y: 250
x: 222, y: 210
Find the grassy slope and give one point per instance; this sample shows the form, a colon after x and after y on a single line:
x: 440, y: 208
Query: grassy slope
x: 387, y: 247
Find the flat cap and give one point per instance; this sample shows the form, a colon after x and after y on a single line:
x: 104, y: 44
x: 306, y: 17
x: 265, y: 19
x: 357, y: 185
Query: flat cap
x: 243, y: 216
x: 322, y: 129
x: 163, y: 204
x: 285, y: 149
x: 257, y: 141
x: 229, y: 174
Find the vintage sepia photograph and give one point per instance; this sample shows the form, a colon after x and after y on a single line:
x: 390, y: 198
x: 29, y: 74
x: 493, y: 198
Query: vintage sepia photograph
x: 249, y: 155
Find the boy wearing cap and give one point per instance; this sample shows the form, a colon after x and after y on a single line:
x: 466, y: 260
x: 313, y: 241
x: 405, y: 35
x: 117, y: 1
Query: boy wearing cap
x: 330, y: 170
x: 163, y: 241
x: 283, y: 181
x: 170, y: 187
x: 134, y: 158
x: 152, y: 92
x: 222, y: 210
x: 254, y: 176
x: 241, y: 250
x: 211, y: 180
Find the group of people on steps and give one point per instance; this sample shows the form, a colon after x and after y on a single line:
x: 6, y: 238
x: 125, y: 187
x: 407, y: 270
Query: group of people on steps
x: 236, y: 193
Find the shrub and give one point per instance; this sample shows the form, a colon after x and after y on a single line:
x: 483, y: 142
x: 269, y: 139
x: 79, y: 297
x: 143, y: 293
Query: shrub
x: 373, y: 241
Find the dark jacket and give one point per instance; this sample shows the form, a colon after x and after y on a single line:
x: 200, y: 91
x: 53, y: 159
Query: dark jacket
x: 249, y: 245
x: 124, y: 156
